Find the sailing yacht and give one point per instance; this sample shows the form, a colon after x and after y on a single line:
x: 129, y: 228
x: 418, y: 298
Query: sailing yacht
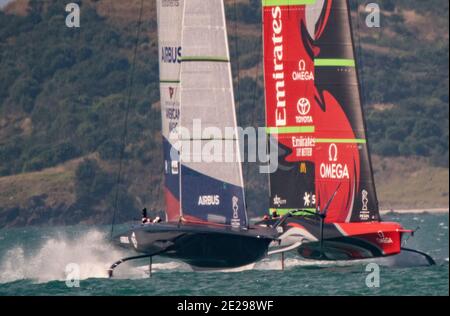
x: 324, y: 184
x: 206, y: 222
x: 323, y: 188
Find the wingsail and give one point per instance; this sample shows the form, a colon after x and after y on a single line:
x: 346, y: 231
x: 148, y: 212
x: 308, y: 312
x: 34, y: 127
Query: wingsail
x: 314, y: 111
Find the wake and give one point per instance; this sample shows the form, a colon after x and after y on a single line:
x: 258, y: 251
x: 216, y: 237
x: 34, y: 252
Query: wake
x: 91, y: 252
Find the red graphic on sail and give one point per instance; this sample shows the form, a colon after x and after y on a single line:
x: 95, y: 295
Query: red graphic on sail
x: 311, y: 122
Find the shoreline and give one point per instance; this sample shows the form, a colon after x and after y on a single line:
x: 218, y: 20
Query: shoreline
x: 415, y: 211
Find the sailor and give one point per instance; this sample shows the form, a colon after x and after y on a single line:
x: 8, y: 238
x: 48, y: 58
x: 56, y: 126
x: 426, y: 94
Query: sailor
x: 145, y: 218
x: 157, y: 220
x: 275, y: 214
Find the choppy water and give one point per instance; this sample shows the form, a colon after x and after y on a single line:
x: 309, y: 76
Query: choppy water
x: 33, y: 261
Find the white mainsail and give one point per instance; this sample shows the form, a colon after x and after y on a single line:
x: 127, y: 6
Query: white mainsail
x: 210, y: 191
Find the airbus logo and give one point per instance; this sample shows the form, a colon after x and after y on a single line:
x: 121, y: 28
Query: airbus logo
x: 209, y: 200
x: 171, y: 55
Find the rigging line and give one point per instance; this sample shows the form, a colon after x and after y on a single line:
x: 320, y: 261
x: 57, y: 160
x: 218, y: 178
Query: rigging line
x: 236, y: 48
x: 236, y: 39
x: 127, y: 110
x: 255, y: 117
x: 363, y: 96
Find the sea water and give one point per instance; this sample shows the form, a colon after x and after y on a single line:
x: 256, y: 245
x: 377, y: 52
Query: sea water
x: 41, y: 261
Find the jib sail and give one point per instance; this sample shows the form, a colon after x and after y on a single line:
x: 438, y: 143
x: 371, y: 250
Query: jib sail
x: 314, y: 111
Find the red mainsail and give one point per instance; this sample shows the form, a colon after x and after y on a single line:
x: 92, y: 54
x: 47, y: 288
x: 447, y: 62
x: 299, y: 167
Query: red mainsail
x: 313, y: 111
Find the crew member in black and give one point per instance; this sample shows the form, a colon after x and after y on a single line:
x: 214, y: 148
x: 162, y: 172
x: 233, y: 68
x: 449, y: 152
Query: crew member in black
x: 145, y: 218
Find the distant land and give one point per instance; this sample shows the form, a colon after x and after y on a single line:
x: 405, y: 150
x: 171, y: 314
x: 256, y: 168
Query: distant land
x: 4, y: 2
x: 62, y: 107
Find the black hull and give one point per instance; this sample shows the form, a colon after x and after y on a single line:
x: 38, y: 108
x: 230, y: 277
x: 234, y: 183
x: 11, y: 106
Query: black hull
x: 199, y: 245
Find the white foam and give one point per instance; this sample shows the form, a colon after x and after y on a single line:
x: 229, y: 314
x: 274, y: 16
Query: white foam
x: 274, y: 263
x: 91, y: 252
x: 166, y: 267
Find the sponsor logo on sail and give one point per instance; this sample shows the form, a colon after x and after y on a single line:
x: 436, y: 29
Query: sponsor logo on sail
x: 170, y: 3
x: 302, y: 74
x: 174, y: 165
x: 364, y: 216
x: 303, y: 145
x: 209, y: 200
x: 171, y: 55
x: 303, y: 108
x: 278, y: 201
x: 278, y: 67
x: 382, y: 239
x: 334, y: 169
x: 309, y: 199
x: 172, y: 115
x: 365, y: 200
x: 235, y: 221
x: 303, y: 168
x: 332, y: 152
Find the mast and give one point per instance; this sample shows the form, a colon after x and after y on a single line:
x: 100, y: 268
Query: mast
x: 314, y: 111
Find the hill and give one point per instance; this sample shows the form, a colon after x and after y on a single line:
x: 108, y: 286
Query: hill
x: 63, y: 99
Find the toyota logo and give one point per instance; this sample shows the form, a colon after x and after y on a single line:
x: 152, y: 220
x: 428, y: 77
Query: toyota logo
x: 303, y: 106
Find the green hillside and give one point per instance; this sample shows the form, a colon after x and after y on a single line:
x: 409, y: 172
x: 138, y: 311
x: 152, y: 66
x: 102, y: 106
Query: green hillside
x: 64, y: 96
